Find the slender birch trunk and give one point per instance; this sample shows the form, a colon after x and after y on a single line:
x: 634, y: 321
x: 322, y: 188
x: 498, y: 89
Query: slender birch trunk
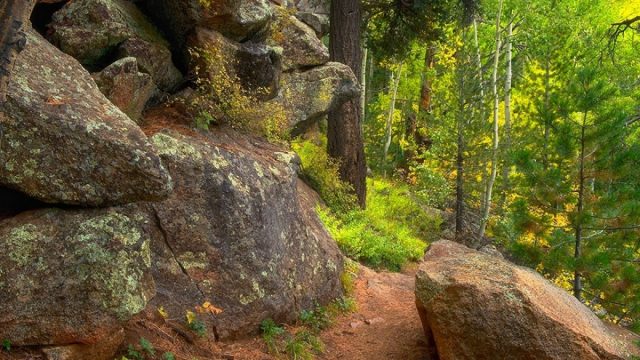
x: 392, y: 108
x: 496, y: 140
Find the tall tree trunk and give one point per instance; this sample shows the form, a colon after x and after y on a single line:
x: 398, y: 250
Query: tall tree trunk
x: 344, y: 132
x: 506, y: 167
x: 426, y: 91
x: 395, y: 76
x: 460, y: 128
x: 480, y: 100
x: 547, y: 110
x: 496, y: 140
x: 14, y: 15
x: 577, y: 280
x: 363, y: 83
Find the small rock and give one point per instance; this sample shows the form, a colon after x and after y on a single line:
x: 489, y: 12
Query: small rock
x: 356, y: 324
x: 376, y: 320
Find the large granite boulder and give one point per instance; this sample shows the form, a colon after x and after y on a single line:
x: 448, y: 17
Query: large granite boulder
x: 73, y: 277
x: 64, y: 142
x: 97, y: 31
x: 478, y: 306
x: 307, y: 96
x: 126, y: 87
x: 238, y: 233
x: 300, y: 45
x: 238, y: 20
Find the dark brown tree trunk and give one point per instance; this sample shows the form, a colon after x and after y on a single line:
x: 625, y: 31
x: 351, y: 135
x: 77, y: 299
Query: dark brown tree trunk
x: 426, y: 92
x: 14, y: 14
x: 344, y: 132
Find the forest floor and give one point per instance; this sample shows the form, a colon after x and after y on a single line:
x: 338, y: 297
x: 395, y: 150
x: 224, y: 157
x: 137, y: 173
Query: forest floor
x: 385, y: 326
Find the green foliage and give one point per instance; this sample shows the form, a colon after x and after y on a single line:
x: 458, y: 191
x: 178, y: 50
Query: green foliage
x: 168, y: 356
x: 147, y: 347
x: 321, y: 173
x: 316, y: 319
x: 271, y: 332
x: 199, y: 327
x: 221, y: 98
x: 133, y: 353
x: 393, y: 230
x: 6, y: 345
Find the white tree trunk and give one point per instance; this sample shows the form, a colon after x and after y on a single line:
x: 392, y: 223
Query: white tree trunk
x: 392, y: 108
x: 496, y: 140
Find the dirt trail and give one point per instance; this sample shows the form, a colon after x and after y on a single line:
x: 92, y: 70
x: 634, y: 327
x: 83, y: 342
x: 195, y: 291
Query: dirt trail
x: 386, y: 325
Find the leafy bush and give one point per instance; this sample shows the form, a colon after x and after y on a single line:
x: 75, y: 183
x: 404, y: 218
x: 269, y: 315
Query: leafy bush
x: 393, y: 230
x: 221, y: 98
x: 321, y: 172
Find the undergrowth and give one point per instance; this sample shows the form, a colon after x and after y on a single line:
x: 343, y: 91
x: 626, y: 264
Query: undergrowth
x: 220, y: 98
x: 303, y: 342
x: 393, y: 230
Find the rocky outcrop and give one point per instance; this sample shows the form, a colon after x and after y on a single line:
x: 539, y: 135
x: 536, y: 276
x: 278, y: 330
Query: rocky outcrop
x: 126, y: 87
x: 301, y: 48
x: 64, y: 142
x: 307, y: 96
x: 238, y: 20
x: 478, y: 306
x: 96, y: 31
x: 73, y: 276
x: 234, y: 233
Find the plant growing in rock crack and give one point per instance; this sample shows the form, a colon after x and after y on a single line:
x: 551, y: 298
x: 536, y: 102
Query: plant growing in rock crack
x: 220, y: 98
x: 6, y: 345
x: 195, y: 324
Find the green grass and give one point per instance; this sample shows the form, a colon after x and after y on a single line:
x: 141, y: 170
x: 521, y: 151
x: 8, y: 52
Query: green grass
x: 392, y: 231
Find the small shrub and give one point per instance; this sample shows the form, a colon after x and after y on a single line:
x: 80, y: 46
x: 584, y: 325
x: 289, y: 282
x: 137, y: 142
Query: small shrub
x: 147, y: 347
x: 220, y: 98
x: 195, y: 324
x: 133, y: 353
x: 6, y: 345
x: 316, y: 319
x: 168, y: 356
x: 270, y: 333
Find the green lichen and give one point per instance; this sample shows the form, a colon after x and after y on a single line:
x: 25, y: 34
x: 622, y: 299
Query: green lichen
x: 167, y: 145
x: 189, y: 260
x: 22, y: 244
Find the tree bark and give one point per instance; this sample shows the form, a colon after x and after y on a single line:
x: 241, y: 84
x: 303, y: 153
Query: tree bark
x: 344, y: 132
x: 426, y: 91
x: 506, y: 167
x: 496, y: 140
x: 577, y: 280
x: 14, y: 15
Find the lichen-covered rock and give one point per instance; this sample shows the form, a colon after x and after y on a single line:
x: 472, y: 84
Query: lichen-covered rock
x: 126, y: 87
x: 318, y: 22
x: 300, y: 45
x: 93, y: 31
x: 314, y: 6
x: 64, y: 142
x: 256, y: 66
x: 73, y: 276
x: 478, y: 306
x: 238, y: 233
x: 309, y: 95
x: 238, y: 20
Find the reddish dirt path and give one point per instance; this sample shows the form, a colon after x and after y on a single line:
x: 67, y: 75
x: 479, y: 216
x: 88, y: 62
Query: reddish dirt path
x: 386, y: 325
